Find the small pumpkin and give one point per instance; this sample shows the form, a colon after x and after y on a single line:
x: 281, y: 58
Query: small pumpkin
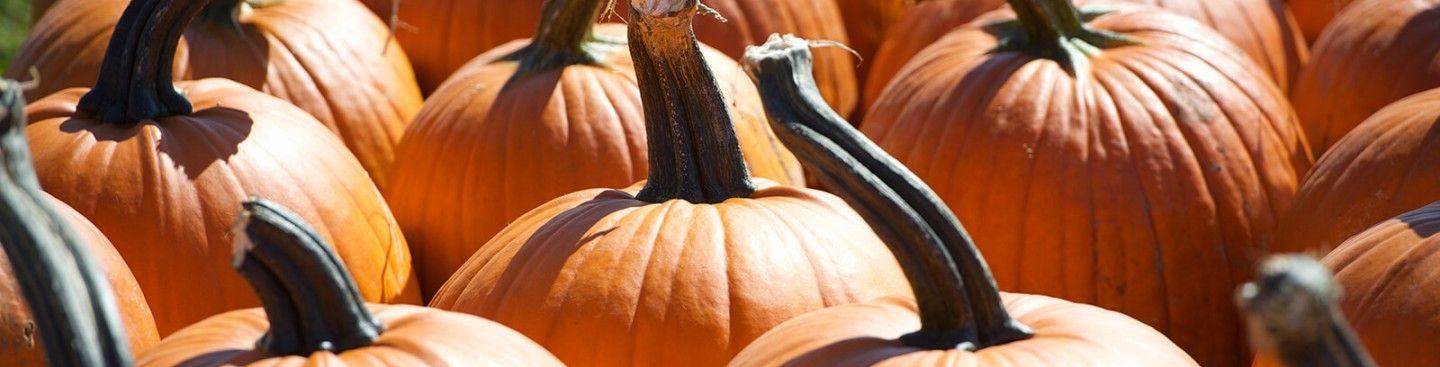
x: 1293, y: 317
x: 158, y: 166
x: 332, y: 59
x: 963, y: 320
x: 687, y: 267
x: 1314, y: 15
x: 24, y: 208
x: 1131, y: 159
x: 535, y: 119
x: 313, y: 314
x: 1374, y: 53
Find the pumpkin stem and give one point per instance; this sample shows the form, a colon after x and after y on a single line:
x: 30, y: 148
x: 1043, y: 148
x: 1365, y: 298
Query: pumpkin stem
x: 694, y: 153
x: 959, y: 303
x: 308, y: 296
x: 1292, y: 315
x: 565, y: 28
x: 135, y: 79
x: 70, y: 298
x: 1055, y: 30
x: 222, y: 12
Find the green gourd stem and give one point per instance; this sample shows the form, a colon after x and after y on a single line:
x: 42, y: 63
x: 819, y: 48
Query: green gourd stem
x: 958, y: 300
x: 694, y: 152
x: 135, y: 81
x: 308, y: 295
x: 1055, y: 30
x: 1291, y: 288
x: 70, y: 298
x: 565, y: 27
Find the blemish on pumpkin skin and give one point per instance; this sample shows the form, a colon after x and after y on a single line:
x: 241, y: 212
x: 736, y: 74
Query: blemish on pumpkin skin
x: 29, y: 335
x: 1190, y: 103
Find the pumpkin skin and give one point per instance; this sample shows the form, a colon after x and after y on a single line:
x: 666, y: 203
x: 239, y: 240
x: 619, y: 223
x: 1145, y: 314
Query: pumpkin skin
x: 332, y: 59
x: 1264, y: 29
x: 1375, y: 53
x: 1145, y: 186
x: 635, y: 283
x: 866, y: 22
x: 1314, y: 15
x: 164, y: 190
x: 525, y: 141
x: 1383, y: 168
x: 18, y: 344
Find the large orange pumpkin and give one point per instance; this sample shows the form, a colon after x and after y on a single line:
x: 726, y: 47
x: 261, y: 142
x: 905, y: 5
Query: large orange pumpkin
x: 441, y: 36
x: 1314, y: 15
x: 1293, y: 317
x: 1140, y: 170
x: 1375, y: 52
x: 533, y: 120
x: 19, y: 345
x: 313, y: 314
x: 1387, y: 166
x: 688, y: 267
x: 158, y: 170
x: 331, y: 58
x: 958, y: 317
x: 866, y: 22
x: 1264, y: 29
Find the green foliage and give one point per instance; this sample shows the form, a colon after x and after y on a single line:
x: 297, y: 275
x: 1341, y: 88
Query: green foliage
x: 14, y: 24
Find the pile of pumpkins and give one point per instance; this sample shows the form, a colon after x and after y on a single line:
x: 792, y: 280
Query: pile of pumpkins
x: 615, y: 183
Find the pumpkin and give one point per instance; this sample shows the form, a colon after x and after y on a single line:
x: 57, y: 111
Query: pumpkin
x: 533, y: 120
x: 23, y: 206
x: 958, y: 317
x: 1292, y: 316
x: 441, y: 36
x: 312, y: 314
x: 157, y: 169
x: 331, y: 58
x: 1261, y: 28
x: 38, y: 8
x: 1314, y: 15
x: 866, y: 22
x: 1140, y: 170
x: 385, y: 9
x: 687, y: 267
x: 1383, y: 168
x: 1375, y: 53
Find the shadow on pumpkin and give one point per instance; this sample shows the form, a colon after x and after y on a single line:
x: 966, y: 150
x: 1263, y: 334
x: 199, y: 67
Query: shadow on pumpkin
x: 192, y: 143
x: 844, y: 352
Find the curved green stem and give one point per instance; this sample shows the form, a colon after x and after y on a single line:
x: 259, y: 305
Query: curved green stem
x: 135, y: 79
x: 69, y: 296
x: 308, y: 296
x: 957, y: 296
x: 694, y: 153
x: 1055, y: 30
x: 565, y: 28
x: 1292, y: 315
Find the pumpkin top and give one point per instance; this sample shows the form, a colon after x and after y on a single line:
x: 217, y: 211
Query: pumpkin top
x: 135, y: 79
x: 564, y: 38
x: 959, y: 303
x: 1293, y: 315
x: 80, y: 322
x: 1055, y: 30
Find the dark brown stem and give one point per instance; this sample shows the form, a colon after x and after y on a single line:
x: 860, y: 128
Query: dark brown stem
x: 308, y: 296
x: 135, y: 78
x: 69, y: 296
x: 1055, y: 30
x: 1292, y: 315
x: 565, y: 27
x: 957, y: 296
x: 221, y: 12
x: 694, y: 153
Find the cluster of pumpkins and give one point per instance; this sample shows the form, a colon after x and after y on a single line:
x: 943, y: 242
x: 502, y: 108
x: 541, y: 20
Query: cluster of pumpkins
x: 274, y: 182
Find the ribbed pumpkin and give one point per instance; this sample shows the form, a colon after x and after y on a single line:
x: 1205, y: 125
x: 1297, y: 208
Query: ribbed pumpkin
x: 866, y: 22
x: 19, y: 345
x: 533, y: 120
x: 1314, y: 15
x: 1133, y: 160
x: 158, y: 170
x: 331, y: 58
x: 1262, y: 28
x: 963, y: 320
x: 1387, y: 166
x: 1293, y: 317
x: 441, y: 36
x: 688, y: 267
x: 313, y: 315
x: 1375, y: 53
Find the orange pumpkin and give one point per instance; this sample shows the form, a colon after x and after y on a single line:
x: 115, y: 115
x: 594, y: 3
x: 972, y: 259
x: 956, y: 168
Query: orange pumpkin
x: 691, y: 265
x: 1139, y: 170
x: 866, y: 22
x: 38, y: 8
x: 1314, y: 15
x: 1375, y: 53
x: 158, y: 169
x: 958, y: 317
x: 1385, y: 167
x: 1261, y: 28
x: 1293, y: 317
x: 313, y: 314
x: 20, y: 346
x: 533, y: 120
x: 331, y: 58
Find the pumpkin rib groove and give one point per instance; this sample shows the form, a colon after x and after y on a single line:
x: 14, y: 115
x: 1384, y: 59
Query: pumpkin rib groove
x: 1047, y: 92
x: 1375, y: 293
